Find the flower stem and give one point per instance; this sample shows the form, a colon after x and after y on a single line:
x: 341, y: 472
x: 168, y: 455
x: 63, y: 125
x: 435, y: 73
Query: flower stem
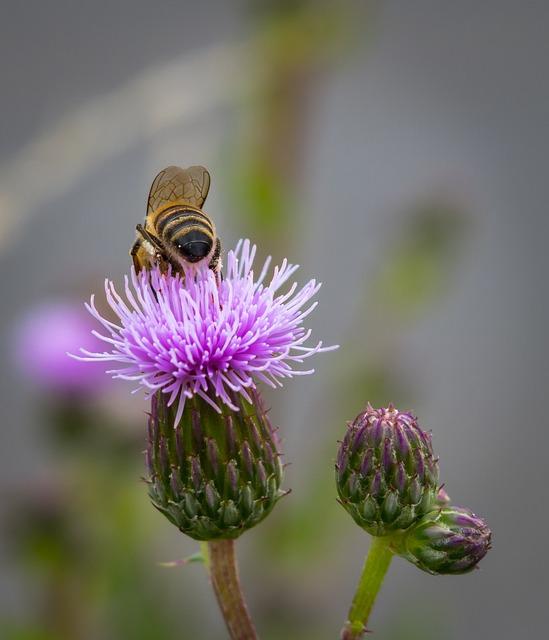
x: 375, y: 567
x: 226, y: 584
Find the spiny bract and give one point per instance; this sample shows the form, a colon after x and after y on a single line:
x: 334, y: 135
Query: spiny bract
x: 214, y: 475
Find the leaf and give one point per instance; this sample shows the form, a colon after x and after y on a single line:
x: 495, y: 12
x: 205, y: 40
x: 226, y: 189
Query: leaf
x: 195, y: 557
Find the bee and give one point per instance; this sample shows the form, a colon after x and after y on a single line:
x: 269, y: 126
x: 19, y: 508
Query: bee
x: 176, y: 231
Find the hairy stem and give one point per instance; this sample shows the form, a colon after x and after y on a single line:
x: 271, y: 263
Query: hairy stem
x: 375, y: 567
x: 226, y: 584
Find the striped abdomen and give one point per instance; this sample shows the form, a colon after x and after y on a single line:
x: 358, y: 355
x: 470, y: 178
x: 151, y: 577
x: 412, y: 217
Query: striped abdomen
x: 188, y: 232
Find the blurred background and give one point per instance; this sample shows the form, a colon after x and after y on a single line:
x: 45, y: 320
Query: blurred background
x: 398, y: 152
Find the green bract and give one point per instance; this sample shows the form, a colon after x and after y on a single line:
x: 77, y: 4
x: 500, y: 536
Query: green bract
x: 215, y: 474
x: 386, y: 472
x: 450, y: 540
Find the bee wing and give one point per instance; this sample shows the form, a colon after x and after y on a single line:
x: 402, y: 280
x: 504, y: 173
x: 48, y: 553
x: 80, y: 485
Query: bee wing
x: 173, y: 186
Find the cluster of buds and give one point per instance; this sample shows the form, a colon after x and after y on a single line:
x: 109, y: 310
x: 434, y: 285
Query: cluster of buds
x: 214, y: 475
x: 388, y: 480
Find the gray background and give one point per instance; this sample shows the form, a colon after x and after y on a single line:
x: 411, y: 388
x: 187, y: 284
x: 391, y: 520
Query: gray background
x: 437, y: 95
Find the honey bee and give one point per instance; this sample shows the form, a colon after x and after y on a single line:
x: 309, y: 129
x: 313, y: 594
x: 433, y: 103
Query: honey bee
x: 176, y: 230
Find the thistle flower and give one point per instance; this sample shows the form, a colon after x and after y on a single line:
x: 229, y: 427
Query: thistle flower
x: 450, y: 540
x: 41, y: 340
x: 195, y: 336
x: 386, y: 472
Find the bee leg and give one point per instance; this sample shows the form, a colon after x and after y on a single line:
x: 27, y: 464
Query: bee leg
x: 153, y: 249
x: 155, y: 242
x: 215, y: 262
x: 159, y: 252
x: 133, y: 253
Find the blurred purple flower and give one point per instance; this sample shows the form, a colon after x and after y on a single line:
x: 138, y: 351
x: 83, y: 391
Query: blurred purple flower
x: 197, y: 336
x: 42, y: 340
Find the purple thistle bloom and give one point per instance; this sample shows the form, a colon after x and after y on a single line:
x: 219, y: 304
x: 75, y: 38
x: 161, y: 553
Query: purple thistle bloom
x: 195, y: 335
x: 40, y: 343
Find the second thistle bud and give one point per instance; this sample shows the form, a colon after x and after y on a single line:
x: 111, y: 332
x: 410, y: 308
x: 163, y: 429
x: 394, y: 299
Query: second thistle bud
x: 216, y: 474
x: 386, y: 472
x: 449, y: 540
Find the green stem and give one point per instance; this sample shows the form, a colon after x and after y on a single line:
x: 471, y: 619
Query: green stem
x: 226, y: 584
x: 375, y: 567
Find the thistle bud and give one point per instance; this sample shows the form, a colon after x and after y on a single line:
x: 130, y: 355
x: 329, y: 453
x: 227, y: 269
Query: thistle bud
x: 450, y: 540
x: 386, y: 473
x: 214, y: 475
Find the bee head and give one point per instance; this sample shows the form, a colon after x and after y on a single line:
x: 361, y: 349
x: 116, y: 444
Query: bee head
x: 194, y: 246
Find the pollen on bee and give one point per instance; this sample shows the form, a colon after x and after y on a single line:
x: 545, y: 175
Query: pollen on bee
x: 148, y: 247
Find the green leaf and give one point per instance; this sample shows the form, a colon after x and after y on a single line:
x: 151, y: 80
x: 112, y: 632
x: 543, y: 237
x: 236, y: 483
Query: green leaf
x: 195, y: 557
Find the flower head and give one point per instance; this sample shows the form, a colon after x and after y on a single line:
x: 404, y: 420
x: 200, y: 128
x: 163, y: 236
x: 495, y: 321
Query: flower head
x: 195, y: 335
x: 40, y: 344
x: 449, y: 540
x: 386, y: 471
x: 216, y: 475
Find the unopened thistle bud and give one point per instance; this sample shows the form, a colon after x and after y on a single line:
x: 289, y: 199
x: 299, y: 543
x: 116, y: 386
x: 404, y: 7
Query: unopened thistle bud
x: 215, y: 474
x: 450, y: 540
x: 386, y: 472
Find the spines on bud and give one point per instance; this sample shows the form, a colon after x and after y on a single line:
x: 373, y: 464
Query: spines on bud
x: 214, y: 475
x: 386, y: 472
x: 448, y: 540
